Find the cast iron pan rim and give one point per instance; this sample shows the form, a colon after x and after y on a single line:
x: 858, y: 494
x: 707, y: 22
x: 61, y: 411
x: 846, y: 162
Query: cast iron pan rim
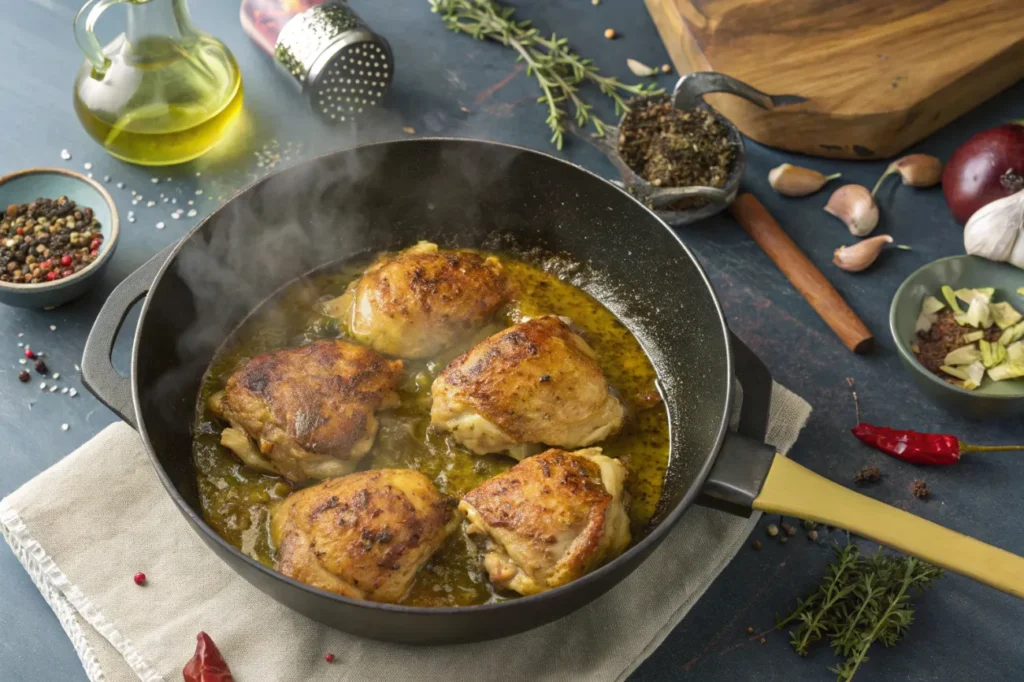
x: 654, y: 537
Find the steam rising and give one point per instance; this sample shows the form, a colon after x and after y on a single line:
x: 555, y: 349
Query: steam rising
x: 309, y: 216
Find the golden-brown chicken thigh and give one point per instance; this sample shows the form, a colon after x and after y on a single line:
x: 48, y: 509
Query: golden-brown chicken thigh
x: 535, y: 382
x: 418, y: 302
x: 550, y: 519
x: 309, y: 409
x: 364, y: 535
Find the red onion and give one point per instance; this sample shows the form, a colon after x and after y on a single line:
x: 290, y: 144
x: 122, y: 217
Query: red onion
x: 987, y: 167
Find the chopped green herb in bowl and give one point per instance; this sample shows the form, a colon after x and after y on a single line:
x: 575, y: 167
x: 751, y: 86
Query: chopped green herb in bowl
x: 968, y: 347
x: 941, y: 346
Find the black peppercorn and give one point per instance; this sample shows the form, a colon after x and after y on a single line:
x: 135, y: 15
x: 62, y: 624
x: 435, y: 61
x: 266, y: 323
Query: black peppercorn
x: 41, y: 367
x: 23, y: 376
x: 38, y: 235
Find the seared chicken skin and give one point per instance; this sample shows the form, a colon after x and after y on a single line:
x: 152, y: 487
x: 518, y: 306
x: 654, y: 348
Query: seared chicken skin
x: 364, y: 535
x: 421, y: 300
x: 550, y: 519
x: 534, y: 383
x: 309, y: 409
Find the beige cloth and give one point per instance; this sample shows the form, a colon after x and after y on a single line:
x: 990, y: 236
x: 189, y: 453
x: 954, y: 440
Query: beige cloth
x: 86, y: 525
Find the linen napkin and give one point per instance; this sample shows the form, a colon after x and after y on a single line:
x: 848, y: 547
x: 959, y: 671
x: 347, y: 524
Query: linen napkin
x: 86, y: 525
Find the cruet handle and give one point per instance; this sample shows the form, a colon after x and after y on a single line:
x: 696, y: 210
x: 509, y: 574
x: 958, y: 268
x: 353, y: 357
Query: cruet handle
x: 85, y: 22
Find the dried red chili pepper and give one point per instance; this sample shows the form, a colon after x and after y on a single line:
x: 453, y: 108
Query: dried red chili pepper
x: 207, y: 665
x: 920, y: 448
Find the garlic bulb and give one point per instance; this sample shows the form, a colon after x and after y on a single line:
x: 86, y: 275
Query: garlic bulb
x: 996, y: 231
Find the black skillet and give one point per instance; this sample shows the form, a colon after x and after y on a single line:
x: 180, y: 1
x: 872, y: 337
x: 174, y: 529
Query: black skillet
x: 462, y: 193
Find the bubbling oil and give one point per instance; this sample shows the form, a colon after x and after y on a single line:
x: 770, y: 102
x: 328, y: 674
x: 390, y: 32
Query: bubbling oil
x: 237, y: 501
x: 161, y: 102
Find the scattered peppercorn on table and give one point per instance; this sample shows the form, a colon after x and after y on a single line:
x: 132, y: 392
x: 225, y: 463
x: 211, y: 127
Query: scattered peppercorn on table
x: 448, y: 85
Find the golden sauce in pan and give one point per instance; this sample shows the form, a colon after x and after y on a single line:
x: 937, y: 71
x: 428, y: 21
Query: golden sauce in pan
x: 236, y: 499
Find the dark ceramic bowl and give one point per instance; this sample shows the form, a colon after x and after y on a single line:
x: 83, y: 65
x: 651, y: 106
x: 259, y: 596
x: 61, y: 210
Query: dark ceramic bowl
x: 994, y: 398
x: 27, y: 185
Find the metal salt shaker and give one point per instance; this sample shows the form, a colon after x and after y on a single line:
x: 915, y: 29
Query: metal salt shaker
x: 342, y: 66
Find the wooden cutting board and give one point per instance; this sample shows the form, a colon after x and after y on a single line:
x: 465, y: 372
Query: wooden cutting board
x: 879, y: 74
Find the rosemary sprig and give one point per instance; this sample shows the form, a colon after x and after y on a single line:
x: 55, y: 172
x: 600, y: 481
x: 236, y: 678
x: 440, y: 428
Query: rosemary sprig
x: 862, y: 600
x: 558, y: 70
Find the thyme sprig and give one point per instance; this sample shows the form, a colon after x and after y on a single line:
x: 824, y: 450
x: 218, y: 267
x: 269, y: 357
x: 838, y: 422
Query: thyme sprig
x: 559, y: 71
x: 862, y: 600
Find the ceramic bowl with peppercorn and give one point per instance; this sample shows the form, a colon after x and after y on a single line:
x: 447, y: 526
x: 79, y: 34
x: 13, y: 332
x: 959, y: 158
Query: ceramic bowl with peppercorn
x: 58, y: 232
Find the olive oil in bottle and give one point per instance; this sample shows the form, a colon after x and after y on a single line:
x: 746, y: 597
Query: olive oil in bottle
x: 160, y: 93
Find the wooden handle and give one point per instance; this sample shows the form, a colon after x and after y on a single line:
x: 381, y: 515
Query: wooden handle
x: 792, y: 490
x: 802, y: 273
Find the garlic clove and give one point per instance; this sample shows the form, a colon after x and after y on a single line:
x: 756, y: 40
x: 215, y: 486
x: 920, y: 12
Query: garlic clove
x: 796, y: 181
x: 917, y: 170
x: 859, y: 256
x: 639, y: 69
x: 855, y: 206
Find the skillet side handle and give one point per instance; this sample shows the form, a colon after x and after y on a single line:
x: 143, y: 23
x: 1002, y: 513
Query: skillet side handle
x: 792, y: 490
x: 98, y: 373
x: 741, y: 466
x: 736, y: 478
x: 757, y: 382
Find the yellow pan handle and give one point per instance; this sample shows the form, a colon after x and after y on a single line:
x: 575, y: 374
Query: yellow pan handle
x: 792, y: 490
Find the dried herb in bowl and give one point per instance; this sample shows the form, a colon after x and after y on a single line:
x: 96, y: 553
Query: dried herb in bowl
x: 672, y: 147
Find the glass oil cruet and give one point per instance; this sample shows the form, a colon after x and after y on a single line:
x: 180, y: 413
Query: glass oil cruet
x: 160, y: 93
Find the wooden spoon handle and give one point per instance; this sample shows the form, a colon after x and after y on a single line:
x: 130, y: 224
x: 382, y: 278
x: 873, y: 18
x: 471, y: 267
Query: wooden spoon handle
x: 802, y: 273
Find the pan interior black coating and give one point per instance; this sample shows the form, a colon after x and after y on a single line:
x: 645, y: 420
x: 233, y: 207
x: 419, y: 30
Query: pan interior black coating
x: 456, y: 193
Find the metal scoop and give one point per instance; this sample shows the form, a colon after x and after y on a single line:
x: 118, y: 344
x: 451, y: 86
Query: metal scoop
x: 688, y: 94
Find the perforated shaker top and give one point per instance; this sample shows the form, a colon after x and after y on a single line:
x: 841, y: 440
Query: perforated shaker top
x: 338, y: 61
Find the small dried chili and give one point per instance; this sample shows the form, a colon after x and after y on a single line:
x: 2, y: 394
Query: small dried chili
x: 207, y: 665
x: 920, y: 448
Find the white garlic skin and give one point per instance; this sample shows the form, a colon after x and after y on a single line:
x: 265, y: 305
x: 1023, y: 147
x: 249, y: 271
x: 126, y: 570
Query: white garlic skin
x: 996, y: 231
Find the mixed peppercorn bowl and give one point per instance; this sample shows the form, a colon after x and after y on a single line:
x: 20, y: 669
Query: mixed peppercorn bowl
x: 58, y: 231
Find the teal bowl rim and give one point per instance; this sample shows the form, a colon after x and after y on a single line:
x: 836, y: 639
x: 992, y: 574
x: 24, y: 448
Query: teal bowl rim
x: 907, y: 354
x: 105, y: 252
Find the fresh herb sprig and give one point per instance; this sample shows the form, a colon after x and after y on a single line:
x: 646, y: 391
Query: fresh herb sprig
x: 862, y: 600
x: 559, y: 70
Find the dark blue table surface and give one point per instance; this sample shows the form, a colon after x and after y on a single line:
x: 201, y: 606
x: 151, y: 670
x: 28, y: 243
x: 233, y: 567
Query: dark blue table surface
x: 962, y: 630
